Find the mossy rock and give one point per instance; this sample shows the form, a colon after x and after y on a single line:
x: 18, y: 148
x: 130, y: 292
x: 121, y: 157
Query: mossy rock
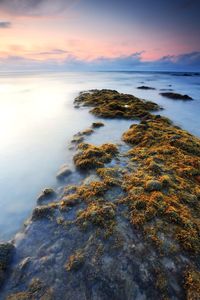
x: 42, y: 212
x: 90, y: 156
x: 153, y: 185
x: 47, y: 194
x: 97, y: 124
x: 111, y: 104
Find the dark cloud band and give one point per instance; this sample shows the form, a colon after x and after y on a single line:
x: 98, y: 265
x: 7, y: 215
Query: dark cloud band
x: 34, y: 7
x: 4, y: 24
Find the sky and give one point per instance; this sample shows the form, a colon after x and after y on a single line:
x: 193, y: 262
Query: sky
x: 100, y: 35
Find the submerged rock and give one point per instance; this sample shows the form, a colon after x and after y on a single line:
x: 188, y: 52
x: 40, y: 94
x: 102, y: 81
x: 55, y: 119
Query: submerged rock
x: 97, y: 124
x: 64, y: 172
x: 176, y: 96
x: 144, y: 87
x: 47, y: 194
x: 88, y: 131
x: 77, y: 139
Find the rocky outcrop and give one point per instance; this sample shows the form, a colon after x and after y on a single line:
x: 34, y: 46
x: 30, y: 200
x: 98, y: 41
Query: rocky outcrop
x: 176, y: 96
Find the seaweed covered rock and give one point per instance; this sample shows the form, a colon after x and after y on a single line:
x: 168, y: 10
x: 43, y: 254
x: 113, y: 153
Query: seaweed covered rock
x: 43, y: 212
x: 127, y: 230
x: 111, y: 104
x: 47, y: 194
x: 175, y: 96
x: 171, y: 187
x: 6, y: 252
x: 90, y: 156
x: 98, y: 213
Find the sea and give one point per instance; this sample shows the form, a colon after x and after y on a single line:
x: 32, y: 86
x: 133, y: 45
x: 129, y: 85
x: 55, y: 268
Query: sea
x: 38, y: 121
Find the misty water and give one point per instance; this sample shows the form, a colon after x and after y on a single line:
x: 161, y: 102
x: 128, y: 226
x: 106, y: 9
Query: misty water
x: 38, y: 120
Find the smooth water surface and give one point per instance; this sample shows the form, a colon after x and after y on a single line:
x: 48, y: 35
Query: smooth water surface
x: 37, y: 121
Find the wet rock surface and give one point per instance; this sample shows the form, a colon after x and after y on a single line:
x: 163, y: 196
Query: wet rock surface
x: 128, y: 230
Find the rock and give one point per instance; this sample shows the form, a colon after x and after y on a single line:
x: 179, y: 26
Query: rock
x: 97, y: 124
x: 77, y: 139
x: 88, y: 131
x: 6, y: 251
x: 47, y: 194
x: 166, y: 90
x: 90, y: 156
x: 64, y: 172
x: 68, y: 190
x: 176, y: 96
x: 42, y: 212
x: 111, y: 104
x: 143, y: 87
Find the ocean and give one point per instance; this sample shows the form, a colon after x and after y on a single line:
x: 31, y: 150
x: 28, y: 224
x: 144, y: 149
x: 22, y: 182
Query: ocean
x: 38, y: 120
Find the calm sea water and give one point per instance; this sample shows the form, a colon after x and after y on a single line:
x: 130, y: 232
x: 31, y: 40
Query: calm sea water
x: 37, y: 121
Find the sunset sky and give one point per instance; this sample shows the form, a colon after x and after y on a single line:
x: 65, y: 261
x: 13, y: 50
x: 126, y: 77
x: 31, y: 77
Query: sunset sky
x: 89, y: 34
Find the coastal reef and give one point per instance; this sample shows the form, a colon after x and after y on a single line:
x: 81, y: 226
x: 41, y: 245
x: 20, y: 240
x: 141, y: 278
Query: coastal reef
x: 6, y: 251
x: 111, y: 104
x: 129, y: 229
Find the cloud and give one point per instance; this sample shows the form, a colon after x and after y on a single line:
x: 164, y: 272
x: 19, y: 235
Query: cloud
x: 53, y: 52
x: 5, y: 24
x: 34, y: 7
x: 187, y: 60
x: 134, y: 62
